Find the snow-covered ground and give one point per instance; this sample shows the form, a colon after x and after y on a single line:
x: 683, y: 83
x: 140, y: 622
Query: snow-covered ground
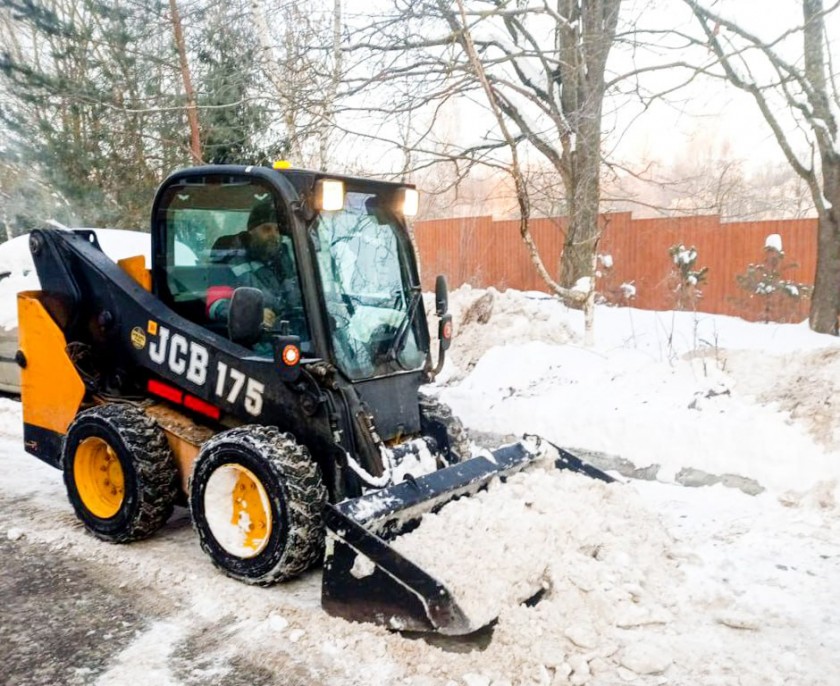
x: 646, y: 582
x: 674, y: 389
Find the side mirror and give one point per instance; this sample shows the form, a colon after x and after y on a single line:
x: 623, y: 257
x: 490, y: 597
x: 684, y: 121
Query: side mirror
x: 245, y: 316
x: 441, y: 295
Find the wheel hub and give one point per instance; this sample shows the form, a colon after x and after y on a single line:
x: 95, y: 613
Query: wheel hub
x: 99, y: 477
x: 238, y: 511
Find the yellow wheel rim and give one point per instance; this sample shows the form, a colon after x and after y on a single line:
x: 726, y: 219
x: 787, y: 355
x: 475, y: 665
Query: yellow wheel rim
x: 238, y: 511
x: 99, y: 477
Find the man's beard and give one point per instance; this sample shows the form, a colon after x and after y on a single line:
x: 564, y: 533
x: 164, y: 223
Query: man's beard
x: 267, y: 251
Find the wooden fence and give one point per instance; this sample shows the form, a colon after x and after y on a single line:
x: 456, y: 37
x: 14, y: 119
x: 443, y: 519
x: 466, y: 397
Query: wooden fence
x: 482, y: 252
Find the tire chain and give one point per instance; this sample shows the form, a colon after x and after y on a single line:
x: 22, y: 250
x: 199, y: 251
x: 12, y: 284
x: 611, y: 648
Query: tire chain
x: 307, y: 496
x: 433, y: 410
x: 157, y: 475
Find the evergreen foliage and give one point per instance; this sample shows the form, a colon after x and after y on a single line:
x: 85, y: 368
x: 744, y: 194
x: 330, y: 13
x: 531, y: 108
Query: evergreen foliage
x: 93, y: 109
x: 685, y: 278
x: 764, y: 280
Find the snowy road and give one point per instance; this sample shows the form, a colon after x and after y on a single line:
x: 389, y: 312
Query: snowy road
x: 691, y: 586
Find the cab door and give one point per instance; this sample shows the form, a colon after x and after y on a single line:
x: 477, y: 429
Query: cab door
x: 203, y: 250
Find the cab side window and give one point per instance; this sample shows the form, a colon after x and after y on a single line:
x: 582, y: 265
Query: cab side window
x: 214, y: 245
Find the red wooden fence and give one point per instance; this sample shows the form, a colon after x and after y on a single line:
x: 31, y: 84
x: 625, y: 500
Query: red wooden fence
x: 483, y: 252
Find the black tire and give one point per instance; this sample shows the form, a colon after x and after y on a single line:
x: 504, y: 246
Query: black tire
x: 437, y: 421
x: 287, y: 503
x: 111, y: 443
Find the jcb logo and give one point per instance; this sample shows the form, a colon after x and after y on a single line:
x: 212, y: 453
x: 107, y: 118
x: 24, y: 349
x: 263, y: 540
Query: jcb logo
x: 184, y: 356
x: 189, y: 359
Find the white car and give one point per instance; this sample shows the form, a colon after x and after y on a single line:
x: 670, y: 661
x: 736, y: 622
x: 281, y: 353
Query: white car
x: 17, y: 273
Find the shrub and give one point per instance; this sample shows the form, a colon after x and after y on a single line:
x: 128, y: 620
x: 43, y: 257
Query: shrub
x: 765, y: 281
x: 685, y: 279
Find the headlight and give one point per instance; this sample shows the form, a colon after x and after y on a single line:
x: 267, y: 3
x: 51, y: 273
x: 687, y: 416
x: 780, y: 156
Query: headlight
x: 329, y: 195
x: 408, y: 201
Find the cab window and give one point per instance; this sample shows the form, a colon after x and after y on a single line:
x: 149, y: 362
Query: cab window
x: 222, y: 233
x: 373, y: 307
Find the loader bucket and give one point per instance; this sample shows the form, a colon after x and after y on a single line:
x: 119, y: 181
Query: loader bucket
x: 365, y: 579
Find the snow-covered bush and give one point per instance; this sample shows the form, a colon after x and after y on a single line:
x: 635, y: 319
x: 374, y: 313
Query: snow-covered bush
x: 764, y: 280
x: 685, y: 279
x: 607, y: 290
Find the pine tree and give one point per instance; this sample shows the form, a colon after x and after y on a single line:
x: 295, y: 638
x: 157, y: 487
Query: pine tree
x: 764, y: 280
x: 233, y: 120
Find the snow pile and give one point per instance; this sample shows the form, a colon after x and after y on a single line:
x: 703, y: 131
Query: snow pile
x: 548, y: 530
x: 483, y: 319
x: 539, y: 530
x: 669, y: 585
x: 804, y: 386
x: 650, y: 413
x: 487, y: 318
x: 667, y: 336
x: 672, y: 393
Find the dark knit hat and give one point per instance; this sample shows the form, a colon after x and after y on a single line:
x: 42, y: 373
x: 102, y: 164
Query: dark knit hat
x: 262, y: 213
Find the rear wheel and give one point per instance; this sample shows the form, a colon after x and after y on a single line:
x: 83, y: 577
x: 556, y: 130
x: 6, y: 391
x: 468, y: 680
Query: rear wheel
x: 438, y: 421
x: 120, y: 473
x: 257, y: 501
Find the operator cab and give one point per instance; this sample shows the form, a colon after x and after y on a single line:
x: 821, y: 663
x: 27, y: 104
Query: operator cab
x: 341, y: 276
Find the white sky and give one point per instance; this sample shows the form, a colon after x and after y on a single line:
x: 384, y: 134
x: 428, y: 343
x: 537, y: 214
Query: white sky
x: 709, y: 110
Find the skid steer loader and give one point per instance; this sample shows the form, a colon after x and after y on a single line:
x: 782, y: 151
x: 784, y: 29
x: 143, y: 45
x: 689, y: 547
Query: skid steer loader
x: 273, y: 385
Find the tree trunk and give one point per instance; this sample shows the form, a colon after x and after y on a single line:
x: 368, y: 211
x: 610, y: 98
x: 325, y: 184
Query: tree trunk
x: 816, y: 106
x: 825, y: 301
x: 583, y: 231
x: 583, y: 45
x: 192, y: 110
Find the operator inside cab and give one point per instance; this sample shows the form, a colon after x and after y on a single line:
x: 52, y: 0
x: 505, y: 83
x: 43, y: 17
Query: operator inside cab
x: 259, y: 257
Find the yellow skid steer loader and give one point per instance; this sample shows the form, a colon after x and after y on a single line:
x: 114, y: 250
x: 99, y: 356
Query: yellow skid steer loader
x: 266, y: 371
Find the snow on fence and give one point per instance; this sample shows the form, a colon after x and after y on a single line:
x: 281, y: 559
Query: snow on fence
x: 483, y: 252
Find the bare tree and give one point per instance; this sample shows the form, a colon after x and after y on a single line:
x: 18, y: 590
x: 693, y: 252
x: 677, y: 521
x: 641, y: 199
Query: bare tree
x: 532, y: 75
x: 302, y: 60
x: 499, y: 107
x: 795, y: 93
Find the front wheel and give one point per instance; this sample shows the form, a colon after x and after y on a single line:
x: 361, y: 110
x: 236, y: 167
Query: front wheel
x: 257, y: 501
x: 438, y: 421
